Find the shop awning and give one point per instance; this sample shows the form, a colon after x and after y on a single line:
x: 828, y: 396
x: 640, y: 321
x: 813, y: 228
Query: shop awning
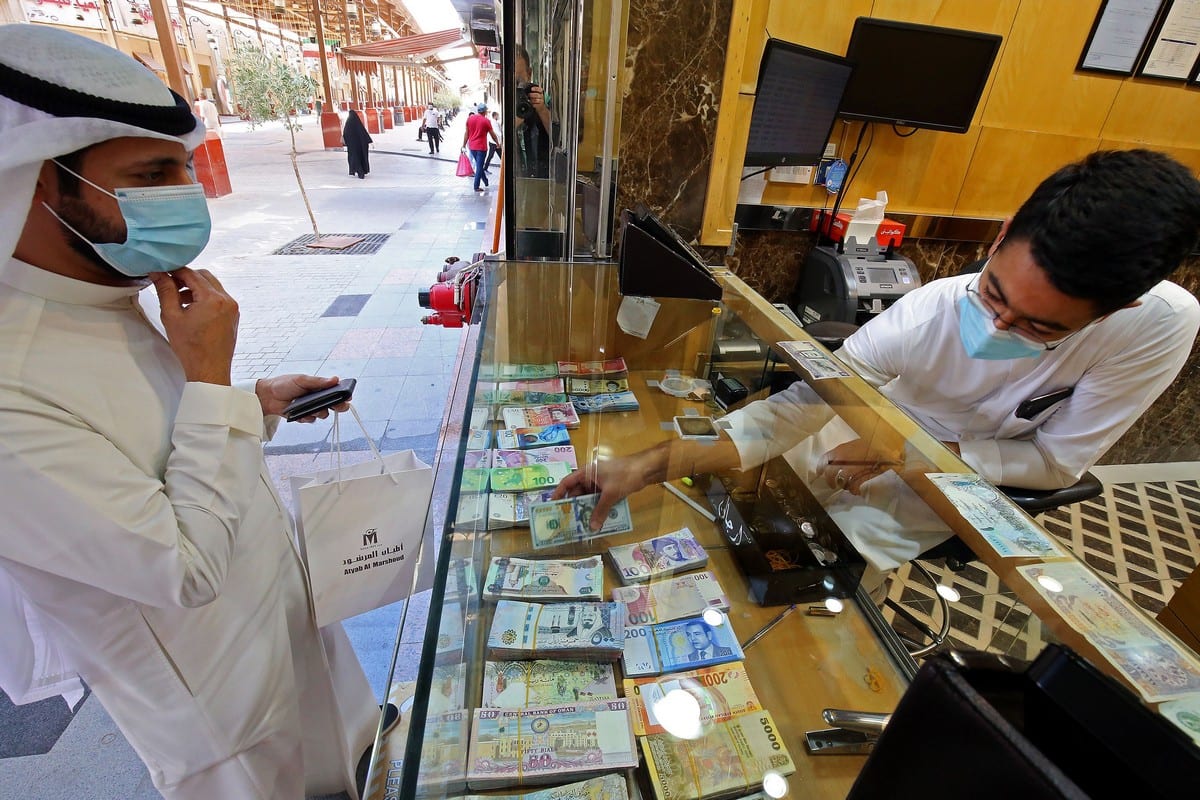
x: 406, y: 48
x: 150, y: 61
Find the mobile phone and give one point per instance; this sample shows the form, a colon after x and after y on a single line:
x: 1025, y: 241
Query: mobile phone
x: 1031, y: 407
x: 696, y: 428
x: 308, y: 404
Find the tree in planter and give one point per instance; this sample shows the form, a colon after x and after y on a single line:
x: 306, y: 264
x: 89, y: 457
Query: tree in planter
x: 268, y: 88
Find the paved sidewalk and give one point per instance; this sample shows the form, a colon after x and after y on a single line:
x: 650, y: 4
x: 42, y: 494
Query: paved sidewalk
x: 350, y: 315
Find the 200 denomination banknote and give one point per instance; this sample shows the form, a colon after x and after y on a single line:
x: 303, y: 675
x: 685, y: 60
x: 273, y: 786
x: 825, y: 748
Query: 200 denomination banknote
x: 569, y: 520
x: 721, y: 693
x: 560, y: 453
x: 658, y: 557
x: 519, y: 684
x: 545, y: 580
x: 730, y: 758
x: 680, y: 645
x: 573, y: 631
x: 606, y: 787
x: 671, y: 598
x: 550, y: 743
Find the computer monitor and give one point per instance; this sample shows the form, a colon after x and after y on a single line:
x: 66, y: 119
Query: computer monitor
x: 795, y: 105
x: 917, y: 76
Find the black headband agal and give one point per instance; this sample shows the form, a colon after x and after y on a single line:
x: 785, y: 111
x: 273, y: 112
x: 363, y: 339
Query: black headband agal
x: 60, y: 101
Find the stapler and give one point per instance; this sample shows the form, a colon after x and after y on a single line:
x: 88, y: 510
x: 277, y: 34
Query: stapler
x: 853, y: 732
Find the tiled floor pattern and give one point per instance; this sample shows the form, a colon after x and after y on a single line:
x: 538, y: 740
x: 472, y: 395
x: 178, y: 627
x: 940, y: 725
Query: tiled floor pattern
x: 1143, y: 536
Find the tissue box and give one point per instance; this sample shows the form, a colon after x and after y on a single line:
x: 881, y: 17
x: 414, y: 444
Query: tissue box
x: 890, y: 233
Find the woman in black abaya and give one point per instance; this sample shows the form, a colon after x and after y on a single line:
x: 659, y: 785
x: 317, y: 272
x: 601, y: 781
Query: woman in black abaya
x: 356, y: 139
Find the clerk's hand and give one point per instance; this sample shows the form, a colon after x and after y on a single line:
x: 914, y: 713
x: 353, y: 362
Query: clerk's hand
x: 201, y: 322
x: 614, y: 480
x: 274, y: 394
x: 851, y: 464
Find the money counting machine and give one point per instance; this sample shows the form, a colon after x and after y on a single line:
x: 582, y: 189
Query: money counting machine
x: 852, y: 285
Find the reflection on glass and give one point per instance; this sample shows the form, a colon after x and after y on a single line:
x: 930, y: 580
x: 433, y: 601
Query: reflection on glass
x: 679, y: 713
x: 774, y: 784
x: 1051, y: 584
x: 948, y: 592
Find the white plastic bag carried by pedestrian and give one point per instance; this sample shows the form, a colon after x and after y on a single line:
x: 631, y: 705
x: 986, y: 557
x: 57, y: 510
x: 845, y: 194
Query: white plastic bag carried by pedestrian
x: 359, y: 529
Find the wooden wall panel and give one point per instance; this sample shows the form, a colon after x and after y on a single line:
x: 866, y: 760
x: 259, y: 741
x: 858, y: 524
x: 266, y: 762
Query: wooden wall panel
x: 1160, y: 114
x: 1008, y: 164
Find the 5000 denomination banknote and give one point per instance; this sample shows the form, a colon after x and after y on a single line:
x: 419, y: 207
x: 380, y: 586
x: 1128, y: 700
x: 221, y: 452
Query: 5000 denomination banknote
x: 569, y: 520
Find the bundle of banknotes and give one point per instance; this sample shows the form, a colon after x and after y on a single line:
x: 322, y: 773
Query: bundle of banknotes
x: 729, y: 760
x: 590, y: 386
x: 479, y: 438
x: 451, y: 634
x: 525, y: 371
x: 610, y: 368
x: 515, y: 746
x: 559, y: 453
x: 569, y: 520
x: 519, y: 684
x: 671, y: 598
x: 606, y: 787
x: 510, y: 509
x: 519, y: 397
x: 658, y: 705
x: 553, y: 385
x: 474, y: 479
x: 610, y: 401
x: 569, y: 631
x: 525, y: 479
x: 447, y: 688
x: 515, y: 417
x: 661, y: 556
x: 545, y: 580
x: 538, y: 436
x: 461, y: 579
x: 681, y: 644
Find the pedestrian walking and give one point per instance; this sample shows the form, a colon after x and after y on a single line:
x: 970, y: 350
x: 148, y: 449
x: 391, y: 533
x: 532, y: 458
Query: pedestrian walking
x: 356, y: 139
x: 475, y: 141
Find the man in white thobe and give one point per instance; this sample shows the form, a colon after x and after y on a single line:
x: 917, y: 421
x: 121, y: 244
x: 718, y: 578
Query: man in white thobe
x: 144, y: 547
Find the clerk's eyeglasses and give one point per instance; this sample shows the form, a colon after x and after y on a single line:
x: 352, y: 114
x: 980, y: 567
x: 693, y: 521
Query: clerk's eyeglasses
x: 991, y: 304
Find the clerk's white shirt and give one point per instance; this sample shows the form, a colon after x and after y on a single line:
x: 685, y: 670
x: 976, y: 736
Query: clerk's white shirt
x: 913, y: 354
x: 143, y: 531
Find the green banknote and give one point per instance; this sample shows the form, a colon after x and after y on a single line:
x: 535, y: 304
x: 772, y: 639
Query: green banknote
x: 569, y: 520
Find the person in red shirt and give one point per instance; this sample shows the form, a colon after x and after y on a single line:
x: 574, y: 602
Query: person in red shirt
x: 475, y: 141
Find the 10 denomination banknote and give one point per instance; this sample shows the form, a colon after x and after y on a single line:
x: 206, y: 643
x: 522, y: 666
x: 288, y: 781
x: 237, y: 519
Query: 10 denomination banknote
x: 680, y: 645
x: 544, y: 580
x: 569, y: 520
x: 550, y: 743
x: 669, y: 704
x: 575, y: 631
x: 546, y: 682
x: 606, y: 787
x: 730, y: 758
x: 671, y: 598
x: 658, y: 557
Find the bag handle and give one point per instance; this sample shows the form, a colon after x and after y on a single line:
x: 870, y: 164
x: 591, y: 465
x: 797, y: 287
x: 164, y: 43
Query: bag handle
x: 335, y: 445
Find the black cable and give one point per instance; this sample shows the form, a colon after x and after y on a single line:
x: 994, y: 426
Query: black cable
x: 861, y: 161
x: 896, y: 130
x: 752, y: 174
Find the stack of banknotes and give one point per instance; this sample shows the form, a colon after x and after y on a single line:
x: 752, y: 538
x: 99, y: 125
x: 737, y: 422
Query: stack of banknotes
x: 524, y: 372
x: 671, y: 598
x: 610, y: 368
x: 559, y: 453
x: 525, y: 479
x: 590, y: 386
x: 549, y: 744
x: 729, y: 760
x: 479, y: 438
x: 720, y: 693
x: 443, y: 766
x: 509, y: 509
x: 681, y: 644
x: 515, y: 417
x: 658, y: 557
x: 552, y: 385
x: 520, y: 684
x: 451, y: 634
x: 610, y: 401
x: 569, y: 520
x: 570, y: 631
x: 545, y: 580
x: 519, y: 397
x: 607, y: 787
x: 530, y: 437
x: 447, y: 688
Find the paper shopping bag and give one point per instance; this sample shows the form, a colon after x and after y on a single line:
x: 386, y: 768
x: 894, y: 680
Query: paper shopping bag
x: 465, y: 168
x: 359, y: 530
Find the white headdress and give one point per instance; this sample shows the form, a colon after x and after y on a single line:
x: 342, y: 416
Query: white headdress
x: 60, y: 92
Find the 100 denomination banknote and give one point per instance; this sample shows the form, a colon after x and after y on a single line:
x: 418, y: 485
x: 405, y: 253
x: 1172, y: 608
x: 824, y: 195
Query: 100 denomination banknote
x: 575, y: 631
x: 524, y: 479
x: 546, y: 580
x: 519, y: 684
x: 730, y: 758
x: 569, y: 520
x: 680, y: 645
x: 671, y: 598
x: 527, y: 438
x: 658, y: 557
x: 606, y: 787
x: 550, y: 743
x: 721, y: 693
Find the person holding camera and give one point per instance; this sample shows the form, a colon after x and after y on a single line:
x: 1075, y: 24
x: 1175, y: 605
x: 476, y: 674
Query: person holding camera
x: 475, y: 141
x: 533, y: 121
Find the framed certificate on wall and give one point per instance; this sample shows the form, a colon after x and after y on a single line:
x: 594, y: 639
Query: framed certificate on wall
x: 1119, y: 36
x: 1175, y: 44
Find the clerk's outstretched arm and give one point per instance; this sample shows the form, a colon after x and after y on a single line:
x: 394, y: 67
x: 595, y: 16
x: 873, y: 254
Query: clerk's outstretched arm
x: 618, y: 478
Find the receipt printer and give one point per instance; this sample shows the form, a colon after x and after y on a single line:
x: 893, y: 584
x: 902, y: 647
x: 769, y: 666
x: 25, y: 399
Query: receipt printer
x: 852, y: 286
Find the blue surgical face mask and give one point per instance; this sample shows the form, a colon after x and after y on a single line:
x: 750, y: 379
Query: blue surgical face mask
x: 166, y: 227
x: 982, y: 339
